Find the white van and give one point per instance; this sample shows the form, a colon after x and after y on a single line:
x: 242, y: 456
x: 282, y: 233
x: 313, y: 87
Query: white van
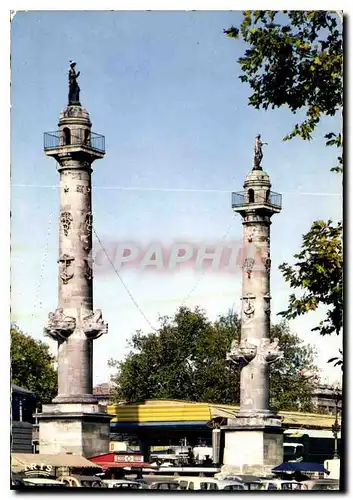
x: 208, y: 483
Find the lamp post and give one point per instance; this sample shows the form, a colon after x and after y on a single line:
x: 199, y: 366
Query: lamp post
x: 336, y: 427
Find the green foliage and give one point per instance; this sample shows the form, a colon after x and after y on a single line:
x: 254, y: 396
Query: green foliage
x: 186, y: 359
x: 289, y: 388
x: 319, y: 273
x: 295, y: 60
x: 32, y: 365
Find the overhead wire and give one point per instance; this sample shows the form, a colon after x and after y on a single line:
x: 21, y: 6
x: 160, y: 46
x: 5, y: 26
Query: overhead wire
x: 176, y: 190
x: 122, y: 281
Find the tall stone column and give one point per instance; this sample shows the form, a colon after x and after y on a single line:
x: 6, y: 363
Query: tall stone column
x: 253, y: 440
x: 73, y: 422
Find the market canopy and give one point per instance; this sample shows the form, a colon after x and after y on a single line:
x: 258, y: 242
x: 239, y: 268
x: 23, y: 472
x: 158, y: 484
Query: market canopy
x: 40, y: 462
x: 300, y: 467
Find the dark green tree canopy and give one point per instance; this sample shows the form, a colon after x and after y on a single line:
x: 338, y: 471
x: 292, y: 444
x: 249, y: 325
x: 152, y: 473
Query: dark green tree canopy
x: 295, y: 60
x: 186, y: 359
x: 32, y: 365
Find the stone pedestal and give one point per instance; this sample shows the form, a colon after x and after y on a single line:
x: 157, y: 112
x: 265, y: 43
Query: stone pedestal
x: 252, y: 445
x: 80, y: 429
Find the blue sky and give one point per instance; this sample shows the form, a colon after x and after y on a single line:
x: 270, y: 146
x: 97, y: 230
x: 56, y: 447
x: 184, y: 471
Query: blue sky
x: 163, y: 88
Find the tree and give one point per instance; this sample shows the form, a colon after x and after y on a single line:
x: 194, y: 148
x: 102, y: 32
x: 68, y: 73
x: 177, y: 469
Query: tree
x: 186, y: 359
x: 32, y: 365
x: 295, y: 63
x: 319, y: 272
x: 290, y: 388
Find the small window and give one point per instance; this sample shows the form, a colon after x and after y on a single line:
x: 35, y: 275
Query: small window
x: 87, y: 136
x: 268, y: 196
x: 212, y: 486
x: 272, y: 486
x: 67, y: 136
x: 287, y: 486
x: 183, y: 485
x: 251, y: 196
x: 191, y: 485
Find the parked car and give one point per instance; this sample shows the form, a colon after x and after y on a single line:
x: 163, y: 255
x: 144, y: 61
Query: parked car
x: 208, y: 483
x: 281, y: 484
x: 42, y: 481
x: 250, y: 482
x: 321, y: 484
x: 164, y: 485
x: 123, y: 484
x: 78, y: 481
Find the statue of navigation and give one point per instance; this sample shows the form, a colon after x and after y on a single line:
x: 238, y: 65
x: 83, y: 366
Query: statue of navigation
x: 74, y: 89
x: 258, y: 152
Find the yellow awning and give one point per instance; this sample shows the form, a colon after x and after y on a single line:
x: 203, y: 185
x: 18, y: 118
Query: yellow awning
x: 187, y: 411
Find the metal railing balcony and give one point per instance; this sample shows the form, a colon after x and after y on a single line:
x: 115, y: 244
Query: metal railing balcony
x: 60, y: 139
x: 242, y: 198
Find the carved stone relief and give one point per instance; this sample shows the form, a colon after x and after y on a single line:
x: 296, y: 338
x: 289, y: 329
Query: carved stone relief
x: 269, y: 352
x: 251, y: 234
x: 86, y: 231
x: 93, y: 325
x: 241, y: 353
x: 268, y: 265
x: 89, y: 222
x: 66, y: 219
x: 256, y: 218
x: 59, y: 326
x: 267, y: 305
x: 249, y: 305
x: 75, y: 175
x: 65, y: 264
x: 248, y: 266
x: 83, y: 189
x: 264, y: 238
x: 88, y: 270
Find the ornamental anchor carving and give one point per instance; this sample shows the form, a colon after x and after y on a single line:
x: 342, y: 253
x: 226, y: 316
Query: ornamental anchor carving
x: 66, y: 219
x: 60, y: 327
x: 65, y: 263
x: 94, y: 326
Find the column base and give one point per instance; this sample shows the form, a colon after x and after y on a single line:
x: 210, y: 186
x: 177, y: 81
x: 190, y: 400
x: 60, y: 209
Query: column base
x: 72, y: 399
x: 253, y: 444
x: 77, y: 428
